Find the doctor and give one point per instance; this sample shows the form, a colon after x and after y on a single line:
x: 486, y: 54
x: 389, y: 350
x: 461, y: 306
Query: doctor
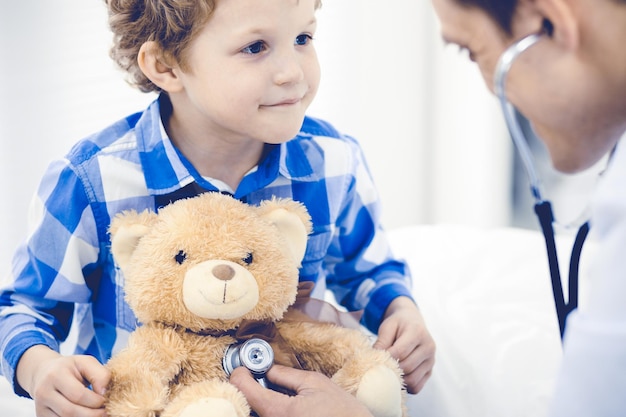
x: 571, y: 84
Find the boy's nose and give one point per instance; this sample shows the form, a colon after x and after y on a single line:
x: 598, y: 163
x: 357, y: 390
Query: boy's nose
x: 288, y: 69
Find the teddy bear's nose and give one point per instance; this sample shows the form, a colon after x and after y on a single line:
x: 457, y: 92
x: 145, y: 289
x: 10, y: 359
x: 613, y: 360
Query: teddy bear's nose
x: 223, y: 272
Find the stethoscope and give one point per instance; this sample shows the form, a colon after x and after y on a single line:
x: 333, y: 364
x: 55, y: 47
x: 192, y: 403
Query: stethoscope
x: 543, y: 208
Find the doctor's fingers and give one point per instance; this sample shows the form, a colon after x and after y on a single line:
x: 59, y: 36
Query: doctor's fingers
x: 262, y: 400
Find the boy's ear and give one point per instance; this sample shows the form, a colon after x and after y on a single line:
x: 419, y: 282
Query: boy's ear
x: 156, y: 69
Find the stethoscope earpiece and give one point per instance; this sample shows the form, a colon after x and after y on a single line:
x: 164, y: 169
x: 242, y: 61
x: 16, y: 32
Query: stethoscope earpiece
x: 547, y: 27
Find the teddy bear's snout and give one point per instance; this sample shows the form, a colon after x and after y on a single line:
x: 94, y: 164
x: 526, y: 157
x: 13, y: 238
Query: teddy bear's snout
x: 223, y: 272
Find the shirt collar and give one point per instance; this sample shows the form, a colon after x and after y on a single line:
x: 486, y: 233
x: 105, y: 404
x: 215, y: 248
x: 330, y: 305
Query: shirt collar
x: 163, y: 166
x: 167, y: 170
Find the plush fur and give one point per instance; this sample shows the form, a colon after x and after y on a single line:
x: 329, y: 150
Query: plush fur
x: 202, y: 266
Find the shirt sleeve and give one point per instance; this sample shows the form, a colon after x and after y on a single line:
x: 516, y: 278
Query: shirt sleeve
x: 37, y: 298
x: 361, y: 269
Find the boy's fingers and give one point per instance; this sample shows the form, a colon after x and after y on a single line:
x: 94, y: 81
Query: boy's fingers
x: 94, y: 373
x: 386, y: 336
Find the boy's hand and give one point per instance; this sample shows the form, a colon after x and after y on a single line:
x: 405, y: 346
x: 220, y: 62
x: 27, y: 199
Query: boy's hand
x: 403, y: 333
x: 59, y: 385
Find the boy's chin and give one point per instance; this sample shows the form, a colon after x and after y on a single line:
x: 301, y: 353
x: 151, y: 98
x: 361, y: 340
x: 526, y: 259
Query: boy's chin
x: 283, y: 135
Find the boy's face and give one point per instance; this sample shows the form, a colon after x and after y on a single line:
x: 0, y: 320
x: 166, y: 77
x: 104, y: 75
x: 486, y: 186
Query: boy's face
x: 253, y: 70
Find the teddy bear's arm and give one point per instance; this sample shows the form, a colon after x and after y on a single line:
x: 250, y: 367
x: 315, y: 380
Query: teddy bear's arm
x: 325, y: 347
x: 141, y: 374
x: 347, y: 356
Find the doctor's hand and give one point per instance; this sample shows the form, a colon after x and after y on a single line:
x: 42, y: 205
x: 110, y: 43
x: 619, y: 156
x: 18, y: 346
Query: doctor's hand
x: 404, y: 335
x: 316, y: 395
x: 59, y: 385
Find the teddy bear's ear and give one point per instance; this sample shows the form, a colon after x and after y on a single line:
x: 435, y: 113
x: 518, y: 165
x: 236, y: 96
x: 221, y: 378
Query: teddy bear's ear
x: 292, y: 220
x: 126, y: 230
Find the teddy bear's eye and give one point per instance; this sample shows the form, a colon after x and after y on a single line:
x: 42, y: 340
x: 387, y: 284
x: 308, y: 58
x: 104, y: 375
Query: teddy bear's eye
x: 248, y: 259
x: 180, y: 257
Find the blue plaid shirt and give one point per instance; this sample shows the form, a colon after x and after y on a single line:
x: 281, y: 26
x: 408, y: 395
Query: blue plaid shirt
x: 64, y: 272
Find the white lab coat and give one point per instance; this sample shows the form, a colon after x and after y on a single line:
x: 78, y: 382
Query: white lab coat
x: 592, y: 378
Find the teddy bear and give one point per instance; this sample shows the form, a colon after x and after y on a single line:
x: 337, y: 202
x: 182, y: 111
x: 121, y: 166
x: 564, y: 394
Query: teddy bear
x: 199, y: 271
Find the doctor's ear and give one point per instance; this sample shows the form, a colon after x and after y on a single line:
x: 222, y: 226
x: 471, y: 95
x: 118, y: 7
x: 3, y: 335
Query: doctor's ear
x: 157, y: 67
x: 559, y: 22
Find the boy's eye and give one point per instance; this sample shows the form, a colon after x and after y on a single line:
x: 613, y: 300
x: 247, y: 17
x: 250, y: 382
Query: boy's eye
x: 255, y: 48
x: 303, y: 39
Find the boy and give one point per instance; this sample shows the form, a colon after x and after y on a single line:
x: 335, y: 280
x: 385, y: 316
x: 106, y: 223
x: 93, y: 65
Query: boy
x: 235, y: 79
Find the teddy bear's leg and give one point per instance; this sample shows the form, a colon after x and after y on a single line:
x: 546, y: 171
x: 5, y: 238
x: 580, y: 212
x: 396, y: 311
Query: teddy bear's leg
x: 381, y: 392
x: 215, y: 398
x: 376, y: 380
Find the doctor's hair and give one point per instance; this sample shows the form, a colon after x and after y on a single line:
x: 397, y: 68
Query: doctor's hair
x: 500, y: 10
x: 171, y: 24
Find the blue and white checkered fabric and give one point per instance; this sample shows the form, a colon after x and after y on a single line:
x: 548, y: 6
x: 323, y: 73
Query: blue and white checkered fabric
x: 64, y: 272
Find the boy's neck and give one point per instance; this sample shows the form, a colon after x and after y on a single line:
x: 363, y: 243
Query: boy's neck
x: 211, y: 156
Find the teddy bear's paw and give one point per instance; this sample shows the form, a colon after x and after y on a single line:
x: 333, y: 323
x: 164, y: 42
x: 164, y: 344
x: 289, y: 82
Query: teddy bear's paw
x: 210, y: 406
x: 129, y: 399
x: 380, y: 391
x: 214, y: 398
x: 202, y: 407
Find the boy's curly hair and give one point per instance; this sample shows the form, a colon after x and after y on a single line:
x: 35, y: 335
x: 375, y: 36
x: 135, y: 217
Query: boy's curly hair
x: 172, y: 24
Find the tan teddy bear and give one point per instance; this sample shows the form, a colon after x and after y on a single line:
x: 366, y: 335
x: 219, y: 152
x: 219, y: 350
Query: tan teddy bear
x: 198, y: 272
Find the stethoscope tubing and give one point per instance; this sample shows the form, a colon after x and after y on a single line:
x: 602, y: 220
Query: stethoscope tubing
x: 502, y: 70
x: 543, y: 208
